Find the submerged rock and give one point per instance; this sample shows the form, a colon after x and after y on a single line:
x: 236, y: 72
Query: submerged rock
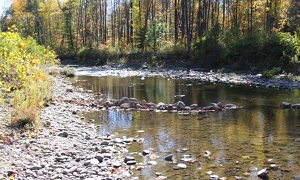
x: 169, y: 157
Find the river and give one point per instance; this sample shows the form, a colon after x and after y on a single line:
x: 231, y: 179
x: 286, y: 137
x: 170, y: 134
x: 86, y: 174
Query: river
x: 241, y: 141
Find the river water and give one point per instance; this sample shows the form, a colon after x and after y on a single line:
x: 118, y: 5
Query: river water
x: 241, y: 141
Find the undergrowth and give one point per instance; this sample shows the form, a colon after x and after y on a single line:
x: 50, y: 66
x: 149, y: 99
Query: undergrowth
x: 23, y: 74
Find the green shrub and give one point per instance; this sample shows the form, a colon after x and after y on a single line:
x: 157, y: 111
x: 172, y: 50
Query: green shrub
x: 271, y: 73
x: 99, y: 56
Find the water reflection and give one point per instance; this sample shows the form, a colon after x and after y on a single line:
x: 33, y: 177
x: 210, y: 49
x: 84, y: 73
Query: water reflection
x: 241, y: 141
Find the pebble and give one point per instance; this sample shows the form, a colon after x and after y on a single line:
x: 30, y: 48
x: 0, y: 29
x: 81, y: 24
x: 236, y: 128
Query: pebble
x: 66, y: 147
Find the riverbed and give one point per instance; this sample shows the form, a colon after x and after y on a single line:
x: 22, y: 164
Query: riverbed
x: 240, y: 142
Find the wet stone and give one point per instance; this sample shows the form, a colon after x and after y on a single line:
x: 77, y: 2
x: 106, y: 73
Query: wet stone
x: 169, y: 157
x: 129, y: 158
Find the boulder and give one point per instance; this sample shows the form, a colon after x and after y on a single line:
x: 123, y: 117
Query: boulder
x: 180, y: 105
x: 194, y: 106
x: 296, y: 106
x: 125, y: 105
x: 231, y: 106
x: 161, y: 106
x: 109, y: 104
x: 285, y: 105
x: 151, y: 105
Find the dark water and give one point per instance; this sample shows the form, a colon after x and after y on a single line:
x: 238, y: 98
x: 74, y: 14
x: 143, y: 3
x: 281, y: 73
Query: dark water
x: 259, y: 135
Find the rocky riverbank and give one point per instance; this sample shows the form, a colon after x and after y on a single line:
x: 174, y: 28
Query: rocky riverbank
x: 63, y: 146
x: 281, y: 81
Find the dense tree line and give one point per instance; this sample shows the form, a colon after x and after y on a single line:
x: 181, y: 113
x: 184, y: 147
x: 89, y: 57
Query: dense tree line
x: 214, y: 33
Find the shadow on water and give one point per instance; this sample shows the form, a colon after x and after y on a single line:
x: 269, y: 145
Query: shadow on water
x: 241, y: 141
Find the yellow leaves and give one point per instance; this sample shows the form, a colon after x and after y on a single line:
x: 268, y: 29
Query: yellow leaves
x: 246, y: 157
x: 40, y: 75
x: 41, y: 104
x: 21, y: 60
x: 18, y: 7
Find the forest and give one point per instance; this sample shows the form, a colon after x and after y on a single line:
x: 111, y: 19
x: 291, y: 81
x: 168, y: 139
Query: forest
x: 214, y: 34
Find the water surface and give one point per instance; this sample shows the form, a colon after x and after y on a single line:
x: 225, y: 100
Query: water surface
x: 259, y: 135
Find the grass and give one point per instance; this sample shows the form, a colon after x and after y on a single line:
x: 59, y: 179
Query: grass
x: 68, y: 72
x: 28, y: 101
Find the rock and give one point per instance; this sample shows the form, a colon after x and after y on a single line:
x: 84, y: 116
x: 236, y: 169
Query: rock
x: 129, y: 158
x: 116, y: 164
x: 146, y: 152
x: 268, y: 86
x: 186, y: 158
x: 231, y: 106
x: 63, y: 134
x: 151, y: 105
x: 35, y: 168
x: 124, y: 99
x: 273, y: 166
x: 72, y: 169
x: 152, y: 163
x: 182, y: 150
x: 161, y: 177
x: 99, y: 158
x: 69, y: 90
x: 296, y: 106
x: 285, y: 105
x: 105, y: 143
x: 180, y: 105
x: 194, y: 106
x: 213, y: 177
x: 207, y: 108
x: 91, y: 162
x: 262, y: 173
x: 207, y: 153
x: 125, y: 106
x: 131, y: 162
x: 169, y: 157
x: 181, y: 166
x: 31, y: 173
x: 161, y: 106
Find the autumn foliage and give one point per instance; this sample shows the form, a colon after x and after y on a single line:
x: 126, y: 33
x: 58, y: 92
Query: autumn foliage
x: 210, y: 33
x: 22, y: 74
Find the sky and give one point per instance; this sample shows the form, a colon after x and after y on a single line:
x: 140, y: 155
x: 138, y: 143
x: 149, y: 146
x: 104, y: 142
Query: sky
x: 4, y: 4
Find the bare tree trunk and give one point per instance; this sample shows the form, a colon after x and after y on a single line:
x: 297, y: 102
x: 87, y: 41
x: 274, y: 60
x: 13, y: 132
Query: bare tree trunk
x: 176, y: 23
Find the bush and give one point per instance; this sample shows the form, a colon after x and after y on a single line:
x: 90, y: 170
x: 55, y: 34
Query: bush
x: 69, y: 72
x: 207, y: 52
x: 22, y: 74
x: 99, y: 56
x: 271, y: 73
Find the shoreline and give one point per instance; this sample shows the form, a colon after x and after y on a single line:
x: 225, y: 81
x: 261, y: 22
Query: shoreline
x: 280, y: 81
x: 63, y: 146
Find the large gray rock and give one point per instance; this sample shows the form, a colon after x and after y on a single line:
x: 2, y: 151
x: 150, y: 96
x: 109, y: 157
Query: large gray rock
x: 285, y: 105
x: 296, y: 106
x: 125, y: 105
x: 180, y: 105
